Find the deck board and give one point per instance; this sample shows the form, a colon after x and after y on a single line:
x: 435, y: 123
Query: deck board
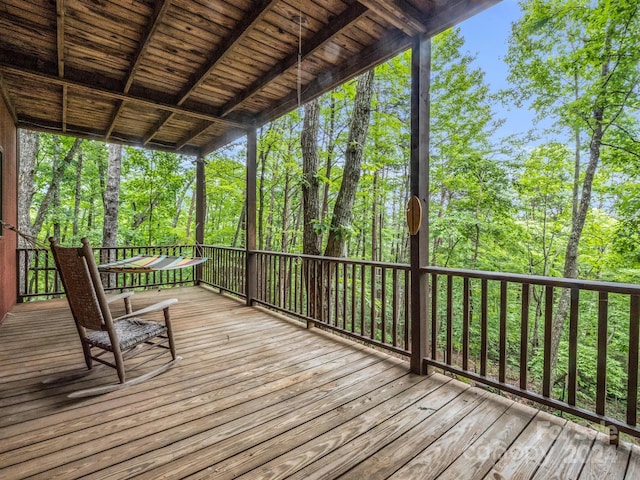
x: 258, y: 396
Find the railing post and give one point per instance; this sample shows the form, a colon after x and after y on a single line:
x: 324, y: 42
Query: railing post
x: 201, y: 206
x: 419, y: 184
x: 251, y: 270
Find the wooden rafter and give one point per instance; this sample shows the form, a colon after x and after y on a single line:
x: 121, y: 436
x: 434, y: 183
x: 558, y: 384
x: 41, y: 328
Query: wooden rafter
x: 236, y: 35
x: 399, y: 13
x: 351, y: 15
x: 192, y: 134
x: 103, y: 92
x: 60, y: 48
x: 160, y: 11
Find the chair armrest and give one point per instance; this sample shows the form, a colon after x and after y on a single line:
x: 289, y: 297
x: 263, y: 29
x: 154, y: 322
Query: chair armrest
x: 121, y: 296
x: 151, y: 308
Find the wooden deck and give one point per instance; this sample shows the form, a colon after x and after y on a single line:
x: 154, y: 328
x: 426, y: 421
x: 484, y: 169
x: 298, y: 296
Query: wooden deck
x: 259, y: 397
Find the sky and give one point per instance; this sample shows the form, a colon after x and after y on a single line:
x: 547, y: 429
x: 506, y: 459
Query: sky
x: 486, y: 37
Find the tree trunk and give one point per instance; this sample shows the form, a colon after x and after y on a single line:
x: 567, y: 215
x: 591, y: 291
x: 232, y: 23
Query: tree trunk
x: 111, y: 202
x: 59, y: 168
x: 78, y: 196
x: 310, y: 204
x: 331, y: 146
x: 310, y: 184
x: 29, y: 145
x: 343, y: 208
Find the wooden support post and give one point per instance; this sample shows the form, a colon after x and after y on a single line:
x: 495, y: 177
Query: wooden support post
x: 419, y: 184
x: 201, y: 206
x: 251, y: 270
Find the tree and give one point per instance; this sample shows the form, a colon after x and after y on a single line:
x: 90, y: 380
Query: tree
x: 111, y: 199
x: 577, y: 63
x: 29, y: 146
x: 342, y: 219
x: 310, y: 184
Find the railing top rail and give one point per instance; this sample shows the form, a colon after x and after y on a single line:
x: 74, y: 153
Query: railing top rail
x: 233, y: 249
x: 121, y: 247
x: 400, y: 266
x: 594, y: 285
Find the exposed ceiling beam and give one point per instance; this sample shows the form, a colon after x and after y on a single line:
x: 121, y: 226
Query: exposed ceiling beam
x: 237, y: 34
x: 351, y: 15
x: 60, y: 47
x: 94, y: 90
x: 192, y: 134
x: 399, y: 13
x: 159, y: 13
x: 52, y: 127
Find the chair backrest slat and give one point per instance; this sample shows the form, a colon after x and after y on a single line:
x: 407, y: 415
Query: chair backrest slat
x: 83, y: 295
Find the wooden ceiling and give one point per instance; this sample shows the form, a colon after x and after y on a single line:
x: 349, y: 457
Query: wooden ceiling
x: 192, y: 75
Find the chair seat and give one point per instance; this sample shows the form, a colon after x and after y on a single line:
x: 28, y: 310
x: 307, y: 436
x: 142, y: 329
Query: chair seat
x: 130, y: 332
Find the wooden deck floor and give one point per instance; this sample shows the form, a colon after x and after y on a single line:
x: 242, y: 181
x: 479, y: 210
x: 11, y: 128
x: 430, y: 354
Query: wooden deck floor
x: 258, y: 397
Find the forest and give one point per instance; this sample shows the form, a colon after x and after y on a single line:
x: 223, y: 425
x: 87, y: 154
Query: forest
x: 559, y: 199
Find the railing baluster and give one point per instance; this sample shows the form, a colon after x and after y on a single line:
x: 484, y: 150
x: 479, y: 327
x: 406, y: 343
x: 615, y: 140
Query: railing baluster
x: 373, y: 302
x: 449, y: 319
x: 524, y: 335
x: 395, y: 307
x: 548, y: 327
x: 353, y: 297
x: 632, y: 380
x: 573, y: 346
x: 434, y: 316
x: 483, y: 327
x: 502, y: 347
x: 362, y: 297
x: 465, y: 323
x: 407, y: 308
x: 383, y: 306
x: 601, y: 382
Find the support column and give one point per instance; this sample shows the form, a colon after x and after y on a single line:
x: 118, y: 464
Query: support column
x: 201, y: 205
x: 251, y: 267
x: 419, y: 185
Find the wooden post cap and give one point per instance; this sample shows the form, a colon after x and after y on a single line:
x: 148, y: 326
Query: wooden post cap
x: 414, y: 215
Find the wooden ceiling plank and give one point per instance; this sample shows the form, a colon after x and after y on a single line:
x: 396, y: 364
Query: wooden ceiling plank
x: 399, y: 13
x: 203, y: 127
x: 158, y: 15
x: 103, y: 92
x: 236, y: 35
x: 7, y: 99
x: 350, y: 16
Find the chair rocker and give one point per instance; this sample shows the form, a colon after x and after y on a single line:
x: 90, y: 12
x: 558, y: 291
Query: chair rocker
x: 101, y: 334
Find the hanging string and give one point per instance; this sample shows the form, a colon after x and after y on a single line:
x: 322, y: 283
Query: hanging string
x: 29, y: 239
x: 299, y: 86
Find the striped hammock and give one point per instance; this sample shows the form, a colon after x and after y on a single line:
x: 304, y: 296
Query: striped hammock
x: 150, y: 263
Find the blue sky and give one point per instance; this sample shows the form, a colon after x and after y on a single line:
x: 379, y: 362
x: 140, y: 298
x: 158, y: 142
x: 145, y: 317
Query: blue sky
x: 486, y: 37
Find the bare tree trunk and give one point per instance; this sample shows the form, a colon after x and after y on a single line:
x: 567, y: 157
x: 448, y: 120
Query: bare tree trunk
x: 58, y: 171
x: 176, y: 217
x: 192, y: 208
x: 111, y: 202
x: 343, y: 208
x: 310, y: 206
x: 374, y: 220
x: 78, y: 195
x: 29, y: 145
x: 310, y: 184
x: 329, y: 161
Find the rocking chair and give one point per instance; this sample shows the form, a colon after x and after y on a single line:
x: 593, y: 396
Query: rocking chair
x: 125, y: 336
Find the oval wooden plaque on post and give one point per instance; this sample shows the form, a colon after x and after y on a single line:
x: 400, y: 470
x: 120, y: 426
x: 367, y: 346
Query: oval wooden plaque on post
x: 414, y: 215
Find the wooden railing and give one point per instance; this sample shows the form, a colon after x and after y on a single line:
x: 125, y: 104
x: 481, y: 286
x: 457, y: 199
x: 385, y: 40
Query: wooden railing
x: 225, y: 269
x: 367, y: 301
x: 38, y: 278
x: 483, y: 326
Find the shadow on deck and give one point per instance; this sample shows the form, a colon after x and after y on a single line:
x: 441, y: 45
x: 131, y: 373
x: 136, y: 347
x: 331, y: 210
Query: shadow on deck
x: 259, y: 397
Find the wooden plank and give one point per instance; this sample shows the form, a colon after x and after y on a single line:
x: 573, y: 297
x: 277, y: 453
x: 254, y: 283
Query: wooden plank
x: 568, y: 454
x: 633, y: 468
x: 525, y: 454
x: 390, y: 455
x: 258, y: 446
x: 481, y: 456
x: 605, y: 461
